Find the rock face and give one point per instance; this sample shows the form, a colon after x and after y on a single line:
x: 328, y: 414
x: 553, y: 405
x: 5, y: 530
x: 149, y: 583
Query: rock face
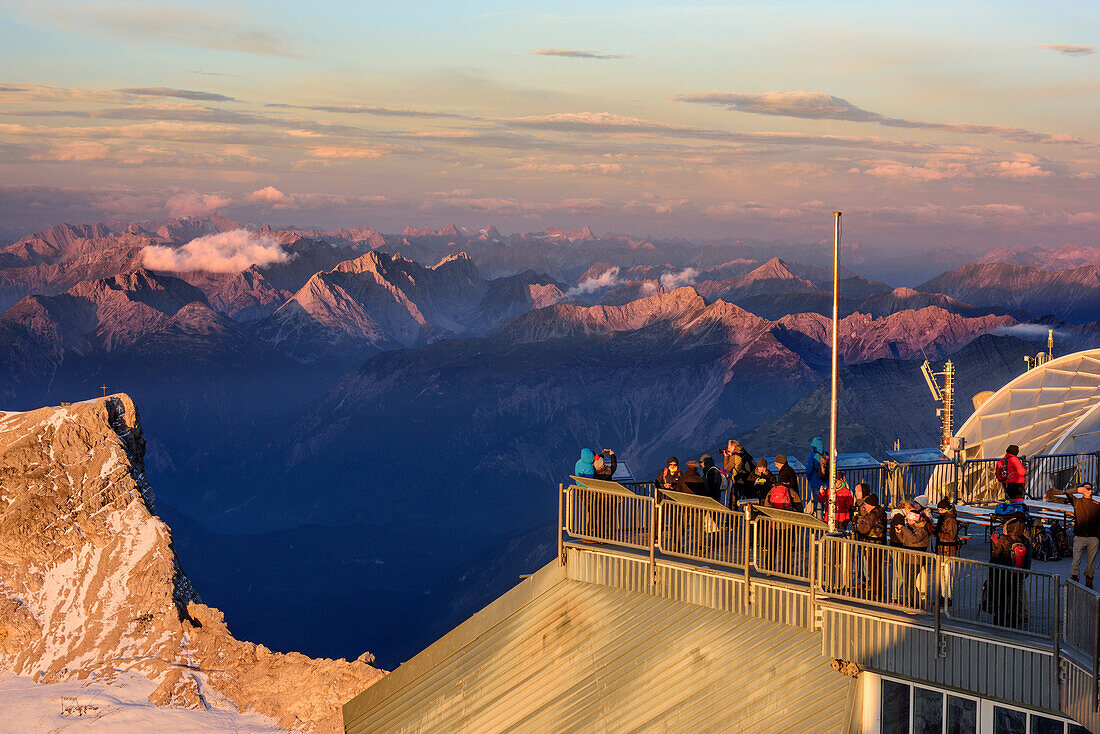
x: 1072, y: 295
x: 380, y: 301
x: 92, y: 587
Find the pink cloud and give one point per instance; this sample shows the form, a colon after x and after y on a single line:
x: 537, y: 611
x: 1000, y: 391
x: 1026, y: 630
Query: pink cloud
x: 269, y: 195
x: 224, y: 252
x: 194, y: 204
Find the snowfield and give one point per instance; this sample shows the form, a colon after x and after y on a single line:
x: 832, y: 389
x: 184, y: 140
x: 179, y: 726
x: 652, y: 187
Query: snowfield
x: 120, y: 708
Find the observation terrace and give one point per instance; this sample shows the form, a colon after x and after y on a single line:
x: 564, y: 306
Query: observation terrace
x: 1010, y: 646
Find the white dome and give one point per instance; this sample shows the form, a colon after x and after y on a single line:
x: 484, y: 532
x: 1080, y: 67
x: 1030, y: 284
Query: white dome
x: 1051, y: 409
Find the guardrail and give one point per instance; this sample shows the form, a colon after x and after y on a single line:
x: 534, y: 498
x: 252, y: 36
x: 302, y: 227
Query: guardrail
x: 783, y: 544
x: 877, y: 575
x: 701, y: 529
x: 904, y: 482
x: 1081, y: 624
x: 608, y: 515
x: 989, y: 595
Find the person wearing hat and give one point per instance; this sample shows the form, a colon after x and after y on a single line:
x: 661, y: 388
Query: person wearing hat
x: 1010, y: 472
x: 947, y: 546
x: 784, y: 474
x: 1086, y: 530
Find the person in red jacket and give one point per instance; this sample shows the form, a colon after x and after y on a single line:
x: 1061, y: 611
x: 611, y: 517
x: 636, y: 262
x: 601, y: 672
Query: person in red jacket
x: 845, y: 500
x: 1011, y: 473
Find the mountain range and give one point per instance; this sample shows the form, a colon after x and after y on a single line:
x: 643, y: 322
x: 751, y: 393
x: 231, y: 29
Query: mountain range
x: 426, y: 390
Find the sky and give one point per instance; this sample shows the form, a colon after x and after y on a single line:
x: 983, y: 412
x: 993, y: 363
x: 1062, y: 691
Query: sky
x: 968, y: 124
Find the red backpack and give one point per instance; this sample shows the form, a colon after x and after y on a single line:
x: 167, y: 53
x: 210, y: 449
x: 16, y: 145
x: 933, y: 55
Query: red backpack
x: 1001, y: 472
x: 780, y: 497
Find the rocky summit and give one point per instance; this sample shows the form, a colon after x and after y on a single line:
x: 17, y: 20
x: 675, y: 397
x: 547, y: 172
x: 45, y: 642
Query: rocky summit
x: 91, y: 588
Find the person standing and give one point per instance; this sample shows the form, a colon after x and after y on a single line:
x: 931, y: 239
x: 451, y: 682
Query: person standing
x: 671, y: 478
x: 785, y: 475
x: 845, y: 501
x: 712, y: 478
x: 762, y: 481
x: 740, y: 467
x: 1086, y: 531
x: 584, y: 467
x: 870, y: 527
x: 1011, y: 473
x: 605, y: 464
x: 947, y: 547
x: 817, y: 468
x: 1012, y: 552
x: 913, y: 534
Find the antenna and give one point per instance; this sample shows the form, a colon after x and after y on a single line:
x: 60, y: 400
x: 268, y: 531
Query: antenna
x: 945, y: 395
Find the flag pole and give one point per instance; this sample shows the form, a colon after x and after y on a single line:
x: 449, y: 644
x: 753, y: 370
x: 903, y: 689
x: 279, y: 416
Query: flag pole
x: 833, y: 400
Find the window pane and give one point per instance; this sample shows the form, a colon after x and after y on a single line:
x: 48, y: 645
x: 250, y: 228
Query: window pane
x: 1077, y: 729
x: 928, y: 711
x: 1043, y: 725
x: 895, y: 707
x: 1009, y: 721
x: 962, y: 715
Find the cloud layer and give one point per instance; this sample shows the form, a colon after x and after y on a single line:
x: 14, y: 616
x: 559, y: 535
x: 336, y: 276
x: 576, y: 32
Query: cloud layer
x: 1067, y: 50
x: 225, y: 252
x: 822, y: 106
x: 576, y: 54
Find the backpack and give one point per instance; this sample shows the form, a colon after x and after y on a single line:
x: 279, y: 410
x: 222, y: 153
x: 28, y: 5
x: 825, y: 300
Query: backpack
x: 1043, y: 547
x: 1010, y: 508
x: 780, y: 498
x: 823, y: 467
x: 1061, y: 541
x: 1001, y: 472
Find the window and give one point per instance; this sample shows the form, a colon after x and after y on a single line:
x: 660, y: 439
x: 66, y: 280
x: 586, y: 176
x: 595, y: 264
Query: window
x: 927, y: 711
x: 962, y: 715
x: 1009, y: 721
x: 912, y: 709
x: 895, y: 707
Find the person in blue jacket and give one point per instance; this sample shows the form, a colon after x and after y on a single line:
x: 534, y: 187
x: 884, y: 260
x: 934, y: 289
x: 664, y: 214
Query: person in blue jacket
x: 584, y: 467
x: 816, y: 467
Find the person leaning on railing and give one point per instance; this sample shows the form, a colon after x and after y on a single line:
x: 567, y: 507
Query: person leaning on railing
x: 869, y: 526
x: 1086, y: 528
x: 913, y: 533
x: 947, y: 546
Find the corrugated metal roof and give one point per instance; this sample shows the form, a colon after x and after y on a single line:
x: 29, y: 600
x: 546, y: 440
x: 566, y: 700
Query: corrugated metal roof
x: 561, y: 655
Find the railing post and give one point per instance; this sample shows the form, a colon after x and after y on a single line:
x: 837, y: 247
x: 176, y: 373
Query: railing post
x: 745, y: 556
x: 654, y: 515
x: 561, y: 524
x: 812, y: 573
x: 937, y: 569
x: 1095, y: 653
x: 1056, y: 639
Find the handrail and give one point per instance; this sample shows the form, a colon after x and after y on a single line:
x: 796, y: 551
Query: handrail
x: 607, y: 516
x: 701, y: 529
x: 951, y: 591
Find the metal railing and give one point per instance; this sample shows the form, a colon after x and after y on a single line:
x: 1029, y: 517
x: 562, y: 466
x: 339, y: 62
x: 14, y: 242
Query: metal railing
x: 876, y: 574
x: 609, y: 516
x: 951, y: 590
x: 904, y: 482
x: 701, y: 529
x: 1081, y: 624
x: 1004, y: 597
x: 784, y: 548
x: 1059, y: 470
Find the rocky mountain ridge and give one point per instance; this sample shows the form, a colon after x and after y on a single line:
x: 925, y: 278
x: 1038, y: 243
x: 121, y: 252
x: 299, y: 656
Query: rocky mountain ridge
x: 92, y: 587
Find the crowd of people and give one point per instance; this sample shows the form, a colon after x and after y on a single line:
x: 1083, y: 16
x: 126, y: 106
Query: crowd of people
x: 740, y: 479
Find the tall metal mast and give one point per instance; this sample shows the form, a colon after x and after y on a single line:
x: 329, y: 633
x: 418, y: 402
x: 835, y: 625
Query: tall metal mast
x: 833, y: 401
